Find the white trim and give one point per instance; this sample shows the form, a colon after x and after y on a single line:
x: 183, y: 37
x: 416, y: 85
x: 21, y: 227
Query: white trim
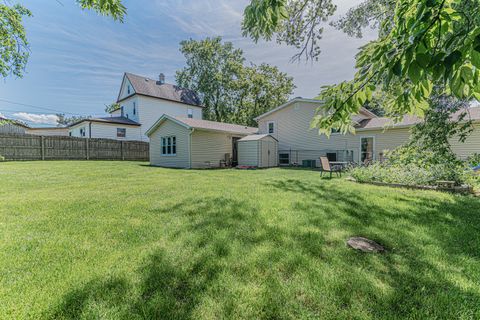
x: 360, y: 148
x: 161, y: 120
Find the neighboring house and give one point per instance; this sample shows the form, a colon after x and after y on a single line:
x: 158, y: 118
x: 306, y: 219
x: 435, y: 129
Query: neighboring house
x: 145, y: 100
x: 290, y: 125
x: 48, y: 131
x: 8, y: 126
x: 118, y: 128
x: 183, y: 142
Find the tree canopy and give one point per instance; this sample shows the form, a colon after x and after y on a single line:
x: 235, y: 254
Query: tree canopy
x: 14, y: 47
x: 421, y: 44
x: 230, y: 90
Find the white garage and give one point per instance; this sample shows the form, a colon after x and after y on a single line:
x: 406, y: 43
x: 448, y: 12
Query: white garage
x: 258, y: 150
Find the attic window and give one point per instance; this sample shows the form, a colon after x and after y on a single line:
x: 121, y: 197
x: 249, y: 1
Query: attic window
x: 128, y: 89
x: 134, y: 108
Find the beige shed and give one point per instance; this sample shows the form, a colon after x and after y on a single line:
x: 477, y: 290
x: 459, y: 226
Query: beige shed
x: 258, y: 150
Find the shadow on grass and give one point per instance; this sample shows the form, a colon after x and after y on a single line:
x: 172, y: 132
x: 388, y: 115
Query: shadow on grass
x: 225, y: 243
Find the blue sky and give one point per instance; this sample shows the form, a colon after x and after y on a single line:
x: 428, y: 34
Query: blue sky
x: 78, y: 58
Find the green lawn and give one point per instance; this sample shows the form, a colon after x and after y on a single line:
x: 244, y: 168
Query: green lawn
x: 124, y: 240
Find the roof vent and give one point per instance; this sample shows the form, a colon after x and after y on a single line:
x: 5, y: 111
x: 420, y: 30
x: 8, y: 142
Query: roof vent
x: 161, y: 78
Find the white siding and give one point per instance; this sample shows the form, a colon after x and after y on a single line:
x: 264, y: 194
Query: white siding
x: 128, y: 106
x: 248, y: 153
x: 48, y: 131
x: 182, y: 134
x: 292, y: 125
x: 151, y: 109
x: 116, y: 113
x: 261, y: 153
x: 124, y: 89
x: 209, y: 148
x: 106, y: 131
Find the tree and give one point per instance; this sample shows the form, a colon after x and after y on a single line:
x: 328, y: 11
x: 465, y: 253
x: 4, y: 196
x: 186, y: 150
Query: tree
x: 111, y: 107
x: 63, y: 121
x: 229, y: 90
x: 14, y: 47
x: 424, y: 43
x: 293, y: 22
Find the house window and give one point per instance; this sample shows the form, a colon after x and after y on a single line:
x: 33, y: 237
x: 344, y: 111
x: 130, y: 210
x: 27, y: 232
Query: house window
x: 121, y: 111
x: 271, y: 127
x: 284, y: 158
x: 70, y: 133
x: 128, y: 89
x: 121, y: 132
x: 190, y: 113
x: 82, y: 132
x: 169, y: 146
x: 134, y: 108
x: 334, y: 131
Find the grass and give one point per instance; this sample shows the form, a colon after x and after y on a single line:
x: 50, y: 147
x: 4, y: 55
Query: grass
x: 122, y: 240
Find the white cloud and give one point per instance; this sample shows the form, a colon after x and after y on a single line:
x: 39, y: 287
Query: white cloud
x: 37, y: 118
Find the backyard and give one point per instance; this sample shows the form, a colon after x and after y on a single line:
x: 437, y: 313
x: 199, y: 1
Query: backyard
x: 124, y: 240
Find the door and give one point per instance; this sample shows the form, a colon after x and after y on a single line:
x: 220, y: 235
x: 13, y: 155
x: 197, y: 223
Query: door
x: 367, y: 149
x: 235, y: 151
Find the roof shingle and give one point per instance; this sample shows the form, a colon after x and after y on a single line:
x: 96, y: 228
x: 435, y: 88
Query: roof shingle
x: 156, y: 89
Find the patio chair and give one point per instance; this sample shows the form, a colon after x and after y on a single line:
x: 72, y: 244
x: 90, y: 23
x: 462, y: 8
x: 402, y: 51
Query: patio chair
x: 325, y: 167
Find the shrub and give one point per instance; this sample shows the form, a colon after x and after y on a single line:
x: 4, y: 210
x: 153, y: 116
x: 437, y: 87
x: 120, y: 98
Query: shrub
x: 474, y: 160
x: 2, y: 158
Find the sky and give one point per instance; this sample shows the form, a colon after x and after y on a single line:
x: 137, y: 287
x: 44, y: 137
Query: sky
x: 78, y: 57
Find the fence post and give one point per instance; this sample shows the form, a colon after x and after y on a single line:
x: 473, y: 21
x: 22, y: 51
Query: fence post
x: 121, y: 151
x: 87, y: 149
x: 42, y: 144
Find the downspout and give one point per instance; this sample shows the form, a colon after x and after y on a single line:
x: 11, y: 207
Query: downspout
x: 90, y: 129
x: 190, y: 148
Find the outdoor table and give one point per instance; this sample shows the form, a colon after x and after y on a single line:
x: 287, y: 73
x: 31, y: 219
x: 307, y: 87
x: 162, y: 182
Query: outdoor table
x: 342, y: 164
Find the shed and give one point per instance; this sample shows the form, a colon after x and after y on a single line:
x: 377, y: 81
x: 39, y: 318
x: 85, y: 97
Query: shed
x: 258, y: 150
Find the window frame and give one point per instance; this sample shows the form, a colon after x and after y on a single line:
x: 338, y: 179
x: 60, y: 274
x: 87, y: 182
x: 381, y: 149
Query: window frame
x: 190, y: 113
x: 280, y: 159
x: 168, y: 146
x: 124, y: 132
x: 274, y: 127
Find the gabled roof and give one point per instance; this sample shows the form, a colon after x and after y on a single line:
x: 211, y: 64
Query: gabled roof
x: 113, y: 120
x: 256, y: 137
x: 155, y: 89
x: 380, y: 123
x: 207, y: 125
x: 313, y: 101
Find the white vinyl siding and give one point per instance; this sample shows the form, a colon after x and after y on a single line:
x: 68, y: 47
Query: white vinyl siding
x: 248, y: 153
x: 182, y: 136
x: 209, y: 148
x: 106, y: 131
x: 471, y: 145
x: 48, y: 131
x: 261, y: 153
x: 149, y: 110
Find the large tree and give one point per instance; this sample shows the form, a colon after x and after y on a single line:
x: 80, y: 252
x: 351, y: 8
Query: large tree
x: 230, y: 90
x: 421, y: 44
x: 14, y: 47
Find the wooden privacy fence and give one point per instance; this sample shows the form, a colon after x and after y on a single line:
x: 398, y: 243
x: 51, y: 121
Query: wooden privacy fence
x: 31, y: 147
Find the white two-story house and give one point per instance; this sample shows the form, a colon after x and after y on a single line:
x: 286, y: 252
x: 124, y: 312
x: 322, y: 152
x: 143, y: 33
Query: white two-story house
x: 142, y: 102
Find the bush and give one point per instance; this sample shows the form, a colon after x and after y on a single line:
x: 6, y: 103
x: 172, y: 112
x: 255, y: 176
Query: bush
x: 410, y: 174
x: 474, y: 160
x: 411, y: 165
x: 2, y: 158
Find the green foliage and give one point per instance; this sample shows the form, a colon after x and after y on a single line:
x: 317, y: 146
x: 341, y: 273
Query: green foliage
x: 14, y: 50
x: 474, y: 160
x: 62, y: 120
x: 230, y: 90
x: 14, y: 47
x: 296, y: 23
x: 430, y: 42
x: 2, y: 158
x: 111, y: 107
x: 112, y: 8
